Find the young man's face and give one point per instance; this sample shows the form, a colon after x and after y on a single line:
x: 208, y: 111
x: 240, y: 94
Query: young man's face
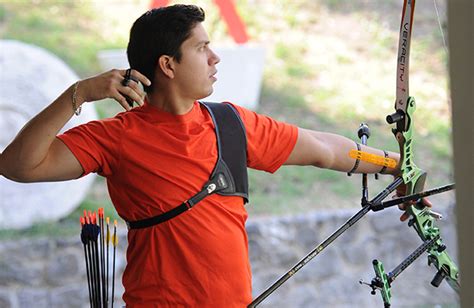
x: 195, y: 72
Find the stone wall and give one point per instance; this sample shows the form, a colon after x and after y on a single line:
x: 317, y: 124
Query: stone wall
x: 331, y: 279
x: 51, y: 273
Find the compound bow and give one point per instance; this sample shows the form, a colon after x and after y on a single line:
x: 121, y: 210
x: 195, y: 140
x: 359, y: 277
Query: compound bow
x: 422, y: 219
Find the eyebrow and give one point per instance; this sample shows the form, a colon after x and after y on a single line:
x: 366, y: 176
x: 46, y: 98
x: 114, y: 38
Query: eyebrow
x: 202, y: 43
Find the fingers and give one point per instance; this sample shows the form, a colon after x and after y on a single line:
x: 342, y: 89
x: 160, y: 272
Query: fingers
x: 404, y: 216
x: 133, y: 94
x: 131, y: 89
x: 137, y: 77
x: 121, y: 100
x: 401, y: 191
x: 111, y: 85
x: 426, y: 202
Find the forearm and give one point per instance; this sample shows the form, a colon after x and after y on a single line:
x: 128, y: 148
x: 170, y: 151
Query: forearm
x: 331, y: 151
x: 339, y: 148
x: 36, y: 155
x: 30, y: 147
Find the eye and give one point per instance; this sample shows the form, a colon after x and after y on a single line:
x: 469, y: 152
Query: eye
x: 203, y: 47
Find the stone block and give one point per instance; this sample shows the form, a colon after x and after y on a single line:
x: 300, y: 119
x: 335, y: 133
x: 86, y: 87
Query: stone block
x: 7, y: 299
x: 71, y: 296
x: 29, y: 297
x: 16, y: 271
x: 31, y: 79
x: 63, y: 268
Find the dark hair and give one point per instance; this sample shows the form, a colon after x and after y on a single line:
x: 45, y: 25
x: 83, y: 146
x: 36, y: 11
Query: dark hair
x: 160, y: 32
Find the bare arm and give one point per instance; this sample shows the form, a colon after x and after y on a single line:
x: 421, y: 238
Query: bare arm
x: 37, y: 155
x: 330, y: 151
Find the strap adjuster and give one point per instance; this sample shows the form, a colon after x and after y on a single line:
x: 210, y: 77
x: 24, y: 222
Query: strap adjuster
x: 189, y: 204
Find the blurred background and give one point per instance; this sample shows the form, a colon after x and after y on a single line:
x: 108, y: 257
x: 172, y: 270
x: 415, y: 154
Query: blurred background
x: 329, y: 65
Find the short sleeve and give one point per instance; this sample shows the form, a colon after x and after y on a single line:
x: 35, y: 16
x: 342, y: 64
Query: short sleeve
x: 96, y: 145
x: 269, y: 142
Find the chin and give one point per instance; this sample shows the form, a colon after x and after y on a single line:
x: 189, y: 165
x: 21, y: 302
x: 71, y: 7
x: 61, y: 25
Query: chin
x: 205, y: 94
x: 210, y: 91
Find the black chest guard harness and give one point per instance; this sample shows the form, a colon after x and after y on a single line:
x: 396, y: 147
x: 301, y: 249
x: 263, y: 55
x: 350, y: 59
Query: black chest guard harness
x: 229, y: 177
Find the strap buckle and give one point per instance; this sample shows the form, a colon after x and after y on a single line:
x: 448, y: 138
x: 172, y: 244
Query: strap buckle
x: 189, y: 204
x: 206, y: 191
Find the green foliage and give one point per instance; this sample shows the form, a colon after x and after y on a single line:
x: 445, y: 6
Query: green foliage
x: 294, y: 189
x: 41, y: 230
x: 2, y: 13
x: 66, y: 28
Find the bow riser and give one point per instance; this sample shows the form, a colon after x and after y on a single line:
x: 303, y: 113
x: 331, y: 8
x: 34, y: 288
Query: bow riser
x: 413, y: 176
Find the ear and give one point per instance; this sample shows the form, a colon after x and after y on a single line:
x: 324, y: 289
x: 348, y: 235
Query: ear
x: 166, y: 65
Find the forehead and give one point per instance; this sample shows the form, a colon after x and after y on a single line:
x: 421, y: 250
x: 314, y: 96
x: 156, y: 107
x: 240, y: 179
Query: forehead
x: 198, y: 34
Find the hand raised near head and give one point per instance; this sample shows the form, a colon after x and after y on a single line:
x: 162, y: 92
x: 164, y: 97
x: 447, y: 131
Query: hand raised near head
x: 111, y: 84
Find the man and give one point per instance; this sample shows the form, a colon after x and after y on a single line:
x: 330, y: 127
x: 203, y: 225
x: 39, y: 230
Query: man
x: 161, y: 153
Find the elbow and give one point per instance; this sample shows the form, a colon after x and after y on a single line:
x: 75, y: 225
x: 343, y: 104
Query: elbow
x: 20, y: 176
x: 322, y: 163
x: 15, y: 171
x: 325, y: 161
x: 16, y: 178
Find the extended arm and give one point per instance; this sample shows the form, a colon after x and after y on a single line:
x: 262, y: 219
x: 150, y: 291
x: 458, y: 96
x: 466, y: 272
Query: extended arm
x: 331, y: 151
x: 37, y: 155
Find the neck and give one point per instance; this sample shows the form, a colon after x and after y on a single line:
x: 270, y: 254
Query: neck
x: 170, y: 102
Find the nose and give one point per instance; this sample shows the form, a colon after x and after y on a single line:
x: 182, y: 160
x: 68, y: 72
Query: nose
x: 214, y: 58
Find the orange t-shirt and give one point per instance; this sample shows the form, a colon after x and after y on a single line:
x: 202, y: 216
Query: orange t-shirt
x: 153, y: 161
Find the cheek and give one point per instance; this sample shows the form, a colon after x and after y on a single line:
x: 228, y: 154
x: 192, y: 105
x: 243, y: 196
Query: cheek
x: 191, y: 71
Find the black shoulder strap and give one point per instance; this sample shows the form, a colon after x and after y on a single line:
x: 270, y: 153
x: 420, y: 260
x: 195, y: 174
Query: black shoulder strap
x: 232, y: 146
